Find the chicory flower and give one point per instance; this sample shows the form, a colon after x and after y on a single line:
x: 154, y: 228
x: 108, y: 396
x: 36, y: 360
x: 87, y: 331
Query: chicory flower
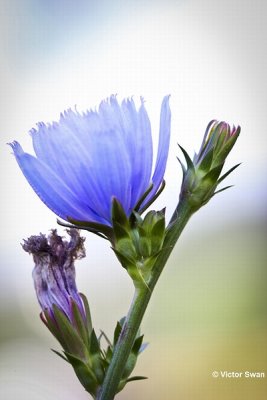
x: 86, y: 160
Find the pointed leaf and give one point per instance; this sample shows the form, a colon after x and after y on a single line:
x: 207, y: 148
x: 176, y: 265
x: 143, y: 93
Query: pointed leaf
x: 136, y: 378
x: 137, y: 345
x: 117, y: 333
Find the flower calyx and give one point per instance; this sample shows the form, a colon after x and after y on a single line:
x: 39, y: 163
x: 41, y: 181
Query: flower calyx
x: 137, y: 241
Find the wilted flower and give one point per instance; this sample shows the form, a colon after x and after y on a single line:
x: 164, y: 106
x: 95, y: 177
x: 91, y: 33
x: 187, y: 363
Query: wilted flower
x: 201, y: 176
x: 54, y: 271
x: 85, y: 160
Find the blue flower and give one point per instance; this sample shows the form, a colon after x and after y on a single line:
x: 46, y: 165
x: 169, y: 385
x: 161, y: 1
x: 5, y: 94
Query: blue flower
x: 54, y: 271
x: 86, y: 160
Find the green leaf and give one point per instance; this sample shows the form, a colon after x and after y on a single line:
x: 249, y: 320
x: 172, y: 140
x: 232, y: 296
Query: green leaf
x: 136, y: 378
x: 137, y: 345
x: 117, y: 333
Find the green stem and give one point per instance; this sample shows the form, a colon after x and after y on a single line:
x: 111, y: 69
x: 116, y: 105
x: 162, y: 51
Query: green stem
x: 139, y: 305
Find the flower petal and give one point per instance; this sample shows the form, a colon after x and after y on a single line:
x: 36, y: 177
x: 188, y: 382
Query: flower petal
x: 163, y: 146
x: 50, y: 187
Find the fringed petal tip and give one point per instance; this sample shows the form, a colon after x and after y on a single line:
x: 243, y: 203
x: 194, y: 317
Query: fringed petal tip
x: 84, y: 159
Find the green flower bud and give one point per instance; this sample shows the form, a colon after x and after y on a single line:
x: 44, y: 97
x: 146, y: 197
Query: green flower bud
x: 201, y: 175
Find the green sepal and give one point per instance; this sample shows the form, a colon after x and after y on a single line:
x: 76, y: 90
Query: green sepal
x: 227, y: 173
x: 157, y: 235
x: 90, y: 226
x: 223, y: 189
x: 84, y: 373
x: 207, y: 161
x: 188, y: 160
x: 87, y: 313
x: 118, y: 214
x: 79, y: 323
x: 96, y: 357
x: 125, y: 261
x: 73, y: 342
x: 60, y: 355
x: 120, y: 231
x: 225, y: 149
x: 213, y: 175
x: 142, y: 198
x: 126, y: 248
x: 51, y: 326
x: 156, y: 195
x: 94, y: 344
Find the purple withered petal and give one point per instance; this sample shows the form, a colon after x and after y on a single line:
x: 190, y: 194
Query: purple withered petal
x: 54, y: 271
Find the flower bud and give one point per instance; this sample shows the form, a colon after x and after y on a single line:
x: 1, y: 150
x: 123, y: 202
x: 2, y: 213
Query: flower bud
x: 201, y: 175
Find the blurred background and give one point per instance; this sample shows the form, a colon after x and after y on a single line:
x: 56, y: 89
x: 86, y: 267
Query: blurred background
x: 209, y: 309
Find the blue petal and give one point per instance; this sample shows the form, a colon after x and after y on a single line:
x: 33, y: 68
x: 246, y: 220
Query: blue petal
x: 163, y: 146
x: 92, y: 160
x: 50, y: 188
x: 60, y: 148
x: 142, y: 164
